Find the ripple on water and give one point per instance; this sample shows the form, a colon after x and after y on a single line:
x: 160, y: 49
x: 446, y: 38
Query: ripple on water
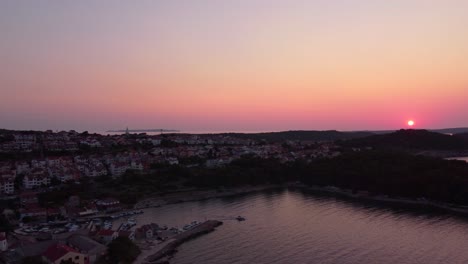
x: 298, y: 227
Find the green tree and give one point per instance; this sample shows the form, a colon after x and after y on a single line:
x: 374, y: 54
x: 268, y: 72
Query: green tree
x: 5, y: 225
x: 122, y: 250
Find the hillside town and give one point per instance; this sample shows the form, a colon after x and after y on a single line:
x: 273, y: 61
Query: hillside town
x: 35, y: 163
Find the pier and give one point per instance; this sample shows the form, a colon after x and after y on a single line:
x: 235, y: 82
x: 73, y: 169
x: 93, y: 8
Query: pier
x: 172, y: 244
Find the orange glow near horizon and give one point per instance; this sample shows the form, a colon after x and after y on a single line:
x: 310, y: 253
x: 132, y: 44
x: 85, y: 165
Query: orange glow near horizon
x: 233, y: 65
x: 411, y: 123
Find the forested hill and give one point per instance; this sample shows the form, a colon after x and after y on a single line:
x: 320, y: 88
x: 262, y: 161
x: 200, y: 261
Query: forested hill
x: 410, y: 139
x: 394, y: 174
x: 463, y: 136
x: 302, y: 135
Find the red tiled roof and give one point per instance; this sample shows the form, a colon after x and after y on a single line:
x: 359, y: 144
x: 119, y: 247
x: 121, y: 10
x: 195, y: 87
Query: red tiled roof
x: 55, y: 252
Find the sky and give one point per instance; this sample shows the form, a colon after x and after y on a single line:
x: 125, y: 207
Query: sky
x: 245, y: 65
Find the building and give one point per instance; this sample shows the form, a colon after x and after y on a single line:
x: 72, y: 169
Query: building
x: 118, y: 169
x: 3, y: 242
x: 37, y: 178
x: 108, y: 205
x: 55, y: 254
x: 87, y: 246
x: 7, y: 185
x: 144, y: 232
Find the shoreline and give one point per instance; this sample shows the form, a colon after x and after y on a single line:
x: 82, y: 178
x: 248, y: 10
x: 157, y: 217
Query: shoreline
x: 199, y: 195
x: 385, y: 199
x: 160, y: 253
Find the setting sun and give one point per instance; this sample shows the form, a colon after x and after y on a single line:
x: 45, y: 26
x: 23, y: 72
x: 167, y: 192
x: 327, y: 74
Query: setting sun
x: 410, y: 123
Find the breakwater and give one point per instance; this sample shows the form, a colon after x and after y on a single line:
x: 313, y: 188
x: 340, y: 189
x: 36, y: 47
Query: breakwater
x: 170, y: 248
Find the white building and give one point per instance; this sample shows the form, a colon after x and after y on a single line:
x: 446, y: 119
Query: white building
x: 7, y: 185
x: 3, y: 242
x: 35, y: 180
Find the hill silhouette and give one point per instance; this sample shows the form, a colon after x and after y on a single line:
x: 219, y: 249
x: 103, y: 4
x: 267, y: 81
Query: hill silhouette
x: 410, y: 139
x: 301, y: 135
x: 463, y: 136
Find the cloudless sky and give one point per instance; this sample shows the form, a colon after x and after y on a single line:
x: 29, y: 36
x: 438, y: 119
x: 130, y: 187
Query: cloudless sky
x: 245, y: 65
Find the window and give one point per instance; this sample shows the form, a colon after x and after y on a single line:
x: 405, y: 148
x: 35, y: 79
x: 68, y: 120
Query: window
x: 77, y: 257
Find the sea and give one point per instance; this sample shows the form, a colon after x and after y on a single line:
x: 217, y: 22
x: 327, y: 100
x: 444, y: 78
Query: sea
x: 298, y: 226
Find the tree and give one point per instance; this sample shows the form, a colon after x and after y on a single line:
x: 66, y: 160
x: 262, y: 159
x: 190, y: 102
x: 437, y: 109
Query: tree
x: 5, y: 225
x: 19, y: 181
x: 122, y: 250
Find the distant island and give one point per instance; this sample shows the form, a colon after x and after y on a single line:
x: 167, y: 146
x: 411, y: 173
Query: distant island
x: 142, y: 130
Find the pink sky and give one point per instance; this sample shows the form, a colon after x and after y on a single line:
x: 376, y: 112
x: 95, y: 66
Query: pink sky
x: 252, y: 65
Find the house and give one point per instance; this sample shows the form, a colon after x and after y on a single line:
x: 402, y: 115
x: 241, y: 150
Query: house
x: 41, y: 163
x: 25, y: 142
x: 64, y: 173
x: 172, y: 161
x: 108, y: 205
x: 27, y: 248
x: 93, y: 143
x: 37, y: 178
x: 86, y: 245
x: 7, y: 185
x: 144, y: 232
x: 118, y: 169
x: 55, y: 254
x: 136, y: 165
x: 96, y: 170
x: 3, y: 241
x: 54, y: 161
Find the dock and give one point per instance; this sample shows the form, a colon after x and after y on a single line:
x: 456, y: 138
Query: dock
x: 170, y: 248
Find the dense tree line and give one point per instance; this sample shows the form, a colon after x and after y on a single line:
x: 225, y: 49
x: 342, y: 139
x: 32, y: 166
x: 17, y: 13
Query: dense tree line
x: 380, y: 172
x: 393, y: 173
x: 329, y: 135
x: 388, y: 172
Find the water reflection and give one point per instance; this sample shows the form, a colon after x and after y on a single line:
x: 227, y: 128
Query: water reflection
x: 294, y: 226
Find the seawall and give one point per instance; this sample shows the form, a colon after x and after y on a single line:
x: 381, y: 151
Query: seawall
x: 169, y: 249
